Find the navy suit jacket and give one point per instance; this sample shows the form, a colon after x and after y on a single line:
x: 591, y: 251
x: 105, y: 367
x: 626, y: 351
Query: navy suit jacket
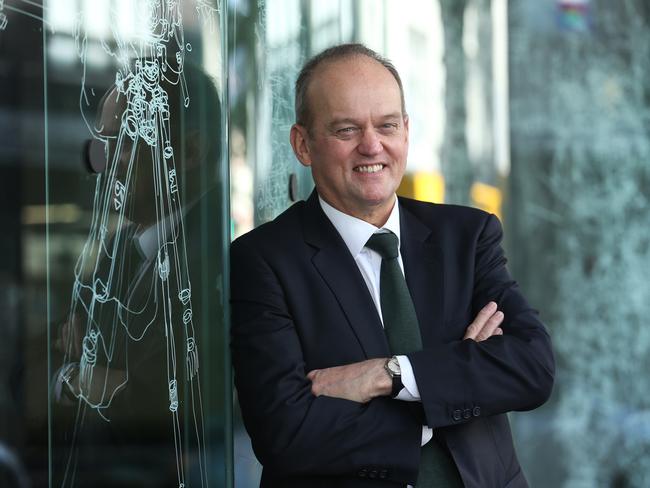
x: 300, y: 303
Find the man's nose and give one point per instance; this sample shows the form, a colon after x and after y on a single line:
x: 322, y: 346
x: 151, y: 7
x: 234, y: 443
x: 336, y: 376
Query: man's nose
x: 370, y: 143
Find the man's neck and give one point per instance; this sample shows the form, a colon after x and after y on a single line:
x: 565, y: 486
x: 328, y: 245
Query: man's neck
x: 376, y: 216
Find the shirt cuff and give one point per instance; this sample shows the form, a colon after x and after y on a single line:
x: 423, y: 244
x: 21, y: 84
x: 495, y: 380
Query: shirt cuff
x: 410, y: 392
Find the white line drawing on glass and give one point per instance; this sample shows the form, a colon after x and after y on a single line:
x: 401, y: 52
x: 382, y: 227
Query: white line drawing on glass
x: 4, y: 20
x: 208, y: 12
x: 104, y: 304
x: 273, y: 191
x: 3, y: 17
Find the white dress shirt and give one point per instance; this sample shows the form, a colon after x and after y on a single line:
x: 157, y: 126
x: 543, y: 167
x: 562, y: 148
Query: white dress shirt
x: 355, y: 233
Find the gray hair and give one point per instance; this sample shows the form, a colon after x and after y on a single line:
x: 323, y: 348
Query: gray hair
x: 335, y: 53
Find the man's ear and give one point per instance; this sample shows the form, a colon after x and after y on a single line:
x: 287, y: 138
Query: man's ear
x: 406, y: 126
x: 298, y: 137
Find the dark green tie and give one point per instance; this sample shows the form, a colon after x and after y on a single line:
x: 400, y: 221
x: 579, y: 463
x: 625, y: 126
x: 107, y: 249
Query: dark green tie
x: 437, y: 469
x: 400, y: 322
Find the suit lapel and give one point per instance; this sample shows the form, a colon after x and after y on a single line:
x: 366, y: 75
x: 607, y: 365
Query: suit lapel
x: 424, y: 270
x: 333, y: 261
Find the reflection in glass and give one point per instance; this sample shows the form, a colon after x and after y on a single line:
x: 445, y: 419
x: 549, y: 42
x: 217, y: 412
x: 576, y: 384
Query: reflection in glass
x: 131, y: 345
x: 113, y: 359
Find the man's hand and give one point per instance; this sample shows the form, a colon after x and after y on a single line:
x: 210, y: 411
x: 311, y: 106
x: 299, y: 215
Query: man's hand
x: 359, y: 382
x: 486, y: 324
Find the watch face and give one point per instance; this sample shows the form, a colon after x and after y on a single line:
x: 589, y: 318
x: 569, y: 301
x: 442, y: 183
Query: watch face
x: 393, y: 367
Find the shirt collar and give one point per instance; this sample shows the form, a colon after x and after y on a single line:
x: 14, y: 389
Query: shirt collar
x: 356, y: 232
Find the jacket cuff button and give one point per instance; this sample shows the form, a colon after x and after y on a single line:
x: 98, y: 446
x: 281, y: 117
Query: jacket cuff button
x: 476, y: 412
x: 457, y: 415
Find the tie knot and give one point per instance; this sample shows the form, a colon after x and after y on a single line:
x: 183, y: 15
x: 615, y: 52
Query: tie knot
x: 385, y: 244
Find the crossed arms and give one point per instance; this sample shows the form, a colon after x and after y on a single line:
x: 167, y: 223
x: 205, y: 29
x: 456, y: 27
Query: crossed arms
x: 365, y: 380
x: 313, y: 404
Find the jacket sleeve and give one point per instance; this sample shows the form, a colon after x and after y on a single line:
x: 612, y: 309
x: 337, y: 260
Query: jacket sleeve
x: 292, y: 431
x: 465, y: 379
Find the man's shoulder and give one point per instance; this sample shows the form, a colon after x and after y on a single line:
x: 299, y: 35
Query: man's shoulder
x: 280, y: 231
x: 434, y: 215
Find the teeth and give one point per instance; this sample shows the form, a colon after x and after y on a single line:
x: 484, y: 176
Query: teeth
x: 369, y: 169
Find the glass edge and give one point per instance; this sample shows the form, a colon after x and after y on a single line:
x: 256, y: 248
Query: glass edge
x: 226, y: 233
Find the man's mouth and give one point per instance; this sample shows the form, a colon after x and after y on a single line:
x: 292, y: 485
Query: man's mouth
x: 369, y: 168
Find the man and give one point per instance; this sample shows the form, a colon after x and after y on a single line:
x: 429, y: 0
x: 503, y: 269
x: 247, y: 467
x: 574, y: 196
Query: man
x: 347, y: 374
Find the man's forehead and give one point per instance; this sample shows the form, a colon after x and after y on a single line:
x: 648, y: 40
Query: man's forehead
x: 354, y: 81
x: 344, y: 118
x: 353, y: 64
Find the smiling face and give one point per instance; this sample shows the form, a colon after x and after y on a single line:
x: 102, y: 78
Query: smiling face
x: 357, y: 144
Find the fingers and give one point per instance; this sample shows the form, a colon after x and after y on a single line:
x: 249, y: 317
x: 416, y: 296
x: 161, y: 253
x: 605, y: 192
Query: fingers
x: 317, y: 384
x: 486, y: 324
x: 490, y: 326
x: 321, y: 380
x: 479, y: 322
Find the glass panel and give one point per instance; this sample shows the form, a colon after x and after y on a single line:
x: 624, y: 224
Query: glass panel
x: 269, y: 43
x: 580, y: 207
x: 275, y: 164
x: 23, y: 299
x: 117, y: 368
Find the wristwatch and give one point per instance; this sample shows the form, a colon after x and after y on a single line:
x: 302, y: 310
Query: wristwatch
x: 395, y: 372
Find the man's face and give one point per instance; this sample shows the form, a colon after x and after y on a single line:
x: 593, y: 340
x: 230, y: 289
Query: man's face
x: 357, y: 144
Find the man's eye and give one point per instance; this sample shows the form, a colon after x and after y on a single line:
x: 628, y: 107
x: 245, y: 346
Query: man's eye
x: 390, y: 126
x: 346, y: 130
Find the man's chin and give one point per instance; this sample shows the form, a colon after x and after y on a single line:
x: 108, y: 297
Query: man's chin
x: 378, y: 199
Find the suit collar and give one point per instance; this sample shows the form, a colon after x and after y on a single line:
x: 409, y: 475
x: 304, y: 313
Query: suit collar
x: 318, y: 230
x: 424, y: 270
x: 333, y: 261
x: 423, y: 267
